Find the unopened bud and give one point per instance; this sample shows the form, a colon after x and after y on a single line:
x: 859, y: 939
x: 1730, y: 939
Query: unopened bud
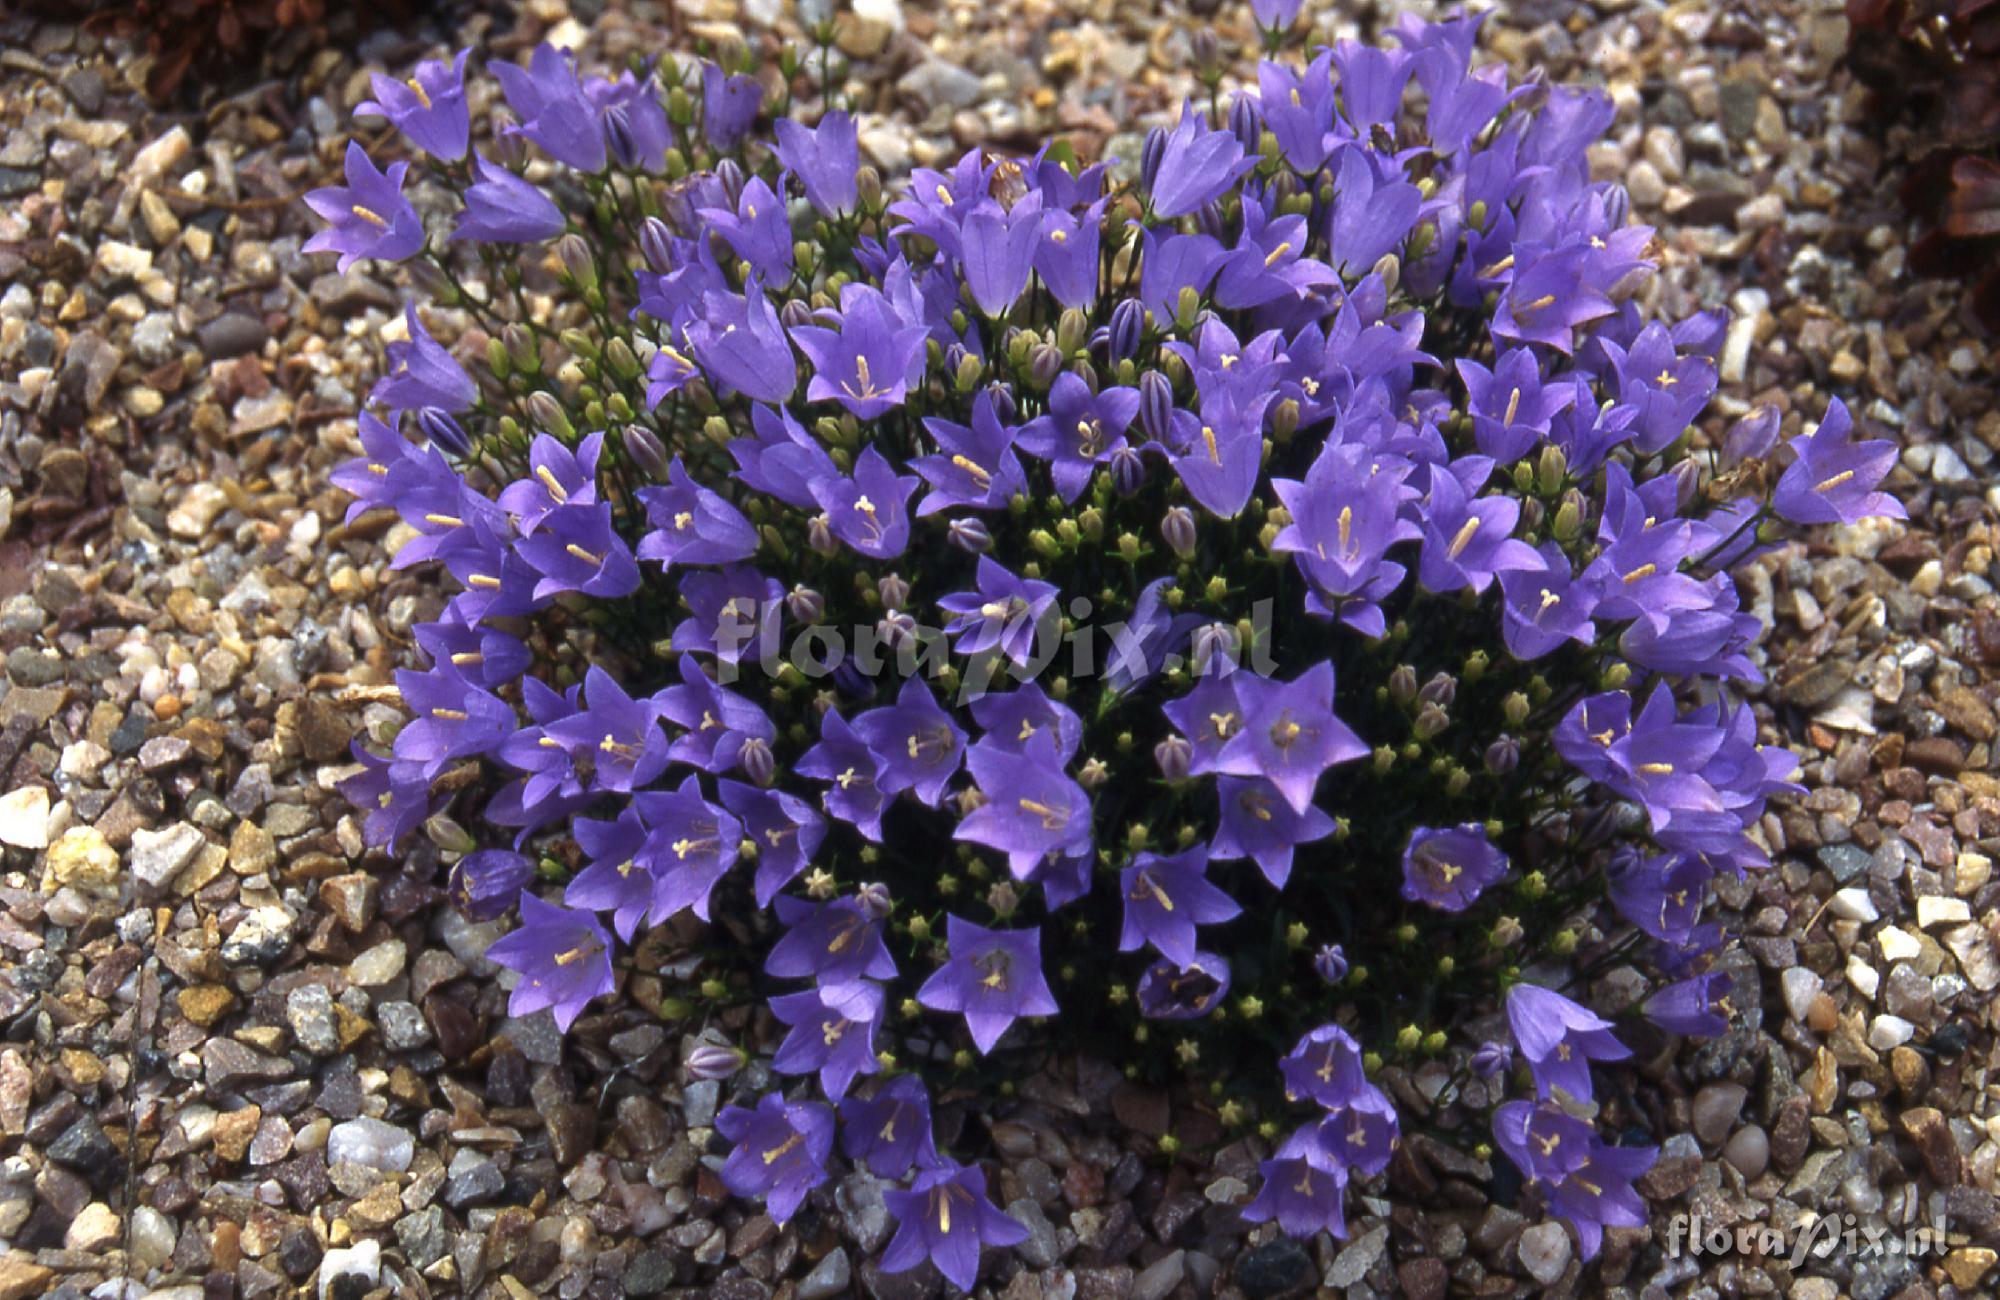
x: 656, y: 245
x: 819, y: 535
x: 1044, y: 364
x: 1178, y: 530
x: 804, y: 605
x: 1156, y: 405
x: 1128, y: 327
x: 444, y: 432
x: 1403, y: 683
x: 1503, y: 756
x: 578, y: 264
x: 710, y: 1062
x: 1430, y: 721
x: 969, y: 534
x: 1174, y: 755
x: 521, y: 349
x: 1330, y: 964
x: 894, y: 591
x: 1441, y: 689
x: 1072, y: 328
x: 874, y: 899
x: 643, y: 447
x: 549, y: 415
x: 759, y: 764
x: 1128, y: 471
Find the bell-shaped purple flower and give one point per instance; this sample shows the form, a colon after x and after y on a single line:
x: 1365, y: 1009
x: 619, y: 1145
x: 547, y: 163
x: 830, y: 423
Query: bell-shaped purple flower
x: 1165, y: 899
x: 692, y: 524
x: 945, y: 1218
x: 826, y: 159
x: 832, y: 1034
x: 369, y: 216
x: 429, y: 109
x: 502, y: 208
x: 870, y: 511
x: 1005, y: 613
x: 1167, y: 991
x: 1305, y: 1187
x: 1449, y: 867
x: 920, y: 747
x: 1834, y: 479
x: 1033, y: 812
x: 890, y: 1132
x: 740, y: 343
x: 992, y: 978
x: 1559, y: 1039
x: 781, y: 1151
x: 729, y: 106
x: 869, y: 364
x: 562, y: 956
x: 554, y: 111
x: 1197, y: 166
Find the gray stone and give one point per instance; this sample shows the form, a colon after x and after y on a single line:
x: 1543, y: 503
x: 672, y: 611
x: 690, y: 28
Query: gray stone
x: 371, y: 1142
x: 1545, y: 1252
x: 402, y: 1025
x: 158, y: 857
x: 309, y: 1011
x: 1042, y: 1248
x: 830, y: 1277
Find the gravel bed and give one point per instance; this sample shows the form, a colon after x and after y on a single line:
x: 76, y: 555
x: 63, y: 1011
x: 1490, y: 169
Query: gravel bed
x: 242, y: 1057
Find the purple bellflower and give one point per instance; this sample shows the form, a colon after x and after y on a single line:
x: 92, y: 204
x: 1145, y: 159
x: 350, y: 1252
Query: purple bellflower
x: 563, y: 957
x: 1081, y: 431
x: 832, y: 1034
x: 781, y: 1151
x: 1559, y: 1039
x: 1165, y: 899
x: 1033, y: 812
x: 502, y: 208
x: 369, y: 216
x: 554, y: 111
x: 1449, y: 867
x: 890, y: 1132
x: 826, y: 159
x: 1305, y: 1187
x: 833, y: 943
x: 869, y: 364
x: 1170, y: 992
x: 1834, y: 478
x: 422, y: 372
x: 992, y: 978
x: 1006, y: 613
x: 1197, y: 166
x: 945, y: 1217
x: 429, y: 109
x: 919, y: 746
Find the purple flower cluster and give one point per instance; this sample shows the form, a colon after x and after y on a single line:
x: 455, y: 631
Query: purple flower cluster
x: 1282, y: 547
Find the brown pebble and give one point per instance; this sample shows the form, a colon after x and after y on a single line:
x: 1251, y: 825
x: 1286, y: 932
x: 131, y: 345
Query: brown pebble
x: 167, y: 707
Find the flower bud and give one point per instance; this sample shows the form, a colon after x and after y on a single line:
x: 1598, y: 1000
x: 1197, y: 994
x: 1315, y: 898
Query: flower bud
x: 1403, y: 684
x: 894, y: 591
x: 1044, y: 364
x: 712, y: 1062
x: 1156, y: 405
x: 1751, y: 438
x: 1569, y: 518
x: 1177, y: 528
x: 1503, y: 756
x: 1551, y: 469
x: 1005, y: 408
x: 1072, y: 327
x: 578, y: 264
x: 804, y: 605
x: 1246, y: 123
x: 1174, y: 756
x: 795, y: 313
x: 549, y: 415
x: 1186, y: 306
x: 730, y: 173
x: 1492, y: 1059
x: 1128, y: 471
x: 497, y: 359
x: 444, y: 432
x: 656, y: 245
x: 1150, y: 155
x: 1214, y: 645
x: 897, y: 630
x: 1330, y: 964
x: 966, y: 370
x: 1441, y: 690
x: 521, y: 348
x: 1430, y: 721
x: 1285, y: 419
x: 1128, y: 327
x: 1210, y: 219
x: 874, y: 899
x: 643, y: 449
x: 759, y: 764
x: 1207, y: 49
x: 819, y: 535
x: 969, y: 534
